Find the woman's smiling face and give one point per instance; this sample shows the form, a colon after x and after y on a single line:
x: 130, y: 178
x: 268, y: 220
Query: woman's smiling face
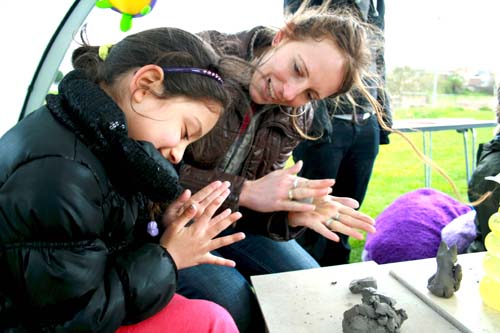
x: 295, y: 72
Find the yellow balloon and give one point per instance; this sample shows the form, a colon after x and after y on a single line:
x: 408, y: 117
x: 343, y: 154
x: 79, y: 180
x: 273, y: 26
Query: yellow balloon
x: 489, y: 287
x: 132, y: 7
x: 494, y: 222
x: 491, y: 265
x: 492, y: 243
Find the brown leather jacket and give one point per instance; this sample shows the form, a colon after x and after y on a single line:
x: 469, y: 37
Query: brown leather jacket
x: 257, y: 149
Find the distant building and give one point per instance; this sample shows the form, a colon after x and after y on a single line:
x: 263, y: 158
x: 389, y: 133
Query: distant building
x: 478, y: 80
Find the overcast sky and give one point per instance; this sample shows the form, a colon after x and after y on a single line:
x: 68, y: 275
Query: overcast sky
x: 443, y: 34
x: 429, y: 34
x: 419, y: 33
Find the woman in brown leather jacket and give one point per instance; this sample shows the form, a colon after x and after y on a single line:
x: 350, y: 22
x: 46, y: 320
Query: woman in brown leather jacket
x: 252, y: 142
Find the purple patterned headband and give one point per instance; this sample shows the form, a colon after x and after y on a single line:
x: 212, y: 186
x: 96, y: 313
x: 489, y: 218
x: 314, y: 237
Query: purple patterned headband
x: 194, y: 70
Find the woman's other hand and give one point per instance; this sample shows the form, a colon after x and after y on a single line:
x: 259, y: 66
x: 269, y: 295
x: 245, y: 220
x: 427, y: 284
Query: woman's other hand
x: 334, y: 214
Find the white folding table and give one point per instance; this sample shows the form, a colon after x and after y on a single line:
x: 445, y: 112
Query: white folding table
x: 461, y: 125
x: 314, y: 300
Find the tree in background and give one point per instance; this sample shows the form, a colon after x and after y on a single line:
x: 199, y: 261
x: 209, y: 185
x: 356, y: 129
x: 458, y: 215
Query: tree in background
x: 452, y: 83
x: 405, y: 79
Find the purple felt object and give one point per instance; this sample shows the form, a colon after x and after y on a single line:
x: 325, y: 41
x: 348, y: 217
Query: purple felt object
x: 460, y: 232
x: 410, y: 227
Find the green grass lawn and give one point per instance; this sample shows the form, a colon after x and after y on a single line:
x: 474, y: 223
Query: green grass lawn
x: 398, y: 169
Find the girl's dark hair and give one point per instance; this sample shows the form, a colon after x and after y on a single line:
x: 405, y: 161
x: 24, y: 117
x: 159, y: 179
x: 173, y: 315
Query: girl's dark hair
x: 166, y: 47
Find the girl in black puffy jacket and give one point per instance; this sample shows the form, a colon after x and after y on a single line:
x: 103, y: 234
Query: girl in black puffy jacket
x: 83, y: 244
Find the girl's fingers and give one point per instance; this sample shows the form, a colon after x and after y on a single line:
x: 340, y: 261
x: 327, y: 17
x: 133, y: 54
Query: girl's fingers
x: 187, y: 215
x: 202, y: 194
x: 223, y: 224
x: 185, y: 195
x: 215, y: 194
x: 176, y: 208
x: 214, y: 260
x: 220, y: 223
x: 221, y: 216
x: 213, y: 206
x: 179, y: 203
x: 225, y: 241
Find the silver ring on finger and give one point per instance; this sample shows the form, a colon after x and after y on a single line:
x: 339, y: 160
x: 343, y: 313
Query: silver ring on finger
x: 329, y: 222
x: 337, y: 217
x: 290, y: 194
x: 296, y: 182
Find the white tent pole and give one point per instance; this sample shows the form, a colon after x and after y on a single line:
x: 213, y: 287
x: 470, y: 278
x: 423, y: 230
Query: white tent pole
x: 54, y: 54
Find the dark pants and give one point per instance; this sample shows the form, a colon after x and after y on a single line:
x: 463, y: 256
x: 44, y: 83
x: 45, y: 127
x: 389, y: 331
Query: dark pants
x: 347, y: 155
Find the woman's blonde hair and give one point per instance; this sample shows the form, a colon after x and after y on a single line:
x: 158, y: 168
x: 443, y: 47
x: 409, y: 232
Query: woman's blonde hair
x: 355, y: 39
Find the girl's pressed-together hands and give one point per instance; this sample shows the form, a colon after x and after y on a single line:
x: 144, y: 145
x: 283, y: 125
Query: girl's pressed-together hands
x: 191, y: 229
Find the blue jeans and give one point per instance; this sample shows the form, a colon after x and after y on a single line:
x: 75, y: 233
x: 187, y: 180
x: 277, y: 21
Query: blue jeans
x: 347, y: 154
x: 230, y: 287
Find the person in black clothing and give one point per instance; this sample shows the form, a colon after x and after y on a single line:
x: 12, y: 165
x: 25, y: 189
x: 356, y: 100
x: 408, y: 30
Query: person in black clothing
x: 488, y: 165
x: 84, y: 244
x: 349, y: 135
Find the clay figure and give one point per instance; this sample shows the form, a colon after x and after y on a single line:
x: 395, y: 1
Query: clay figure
x: 447, y: 279
x: 356, y: 286
x: 376, y: 314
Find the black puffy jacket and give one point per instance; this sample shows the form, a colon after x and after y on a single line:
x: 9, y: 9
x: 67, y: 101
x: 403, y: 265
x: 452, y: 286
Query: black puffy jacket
x: 488, y: 164
x: 72, y: 256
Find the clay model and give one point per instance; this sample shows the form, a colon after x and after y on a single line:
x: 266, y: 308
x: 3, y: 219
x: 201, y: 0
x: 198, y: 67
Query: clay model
x: 447, y: 279
x: 376, y: 314
x: 356, y: 286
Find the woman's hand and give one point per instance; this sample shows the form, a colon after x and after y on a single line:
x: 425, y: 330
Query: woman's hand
x: 334, y: 214
x: 190, y: 245
x: 281, y: 190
